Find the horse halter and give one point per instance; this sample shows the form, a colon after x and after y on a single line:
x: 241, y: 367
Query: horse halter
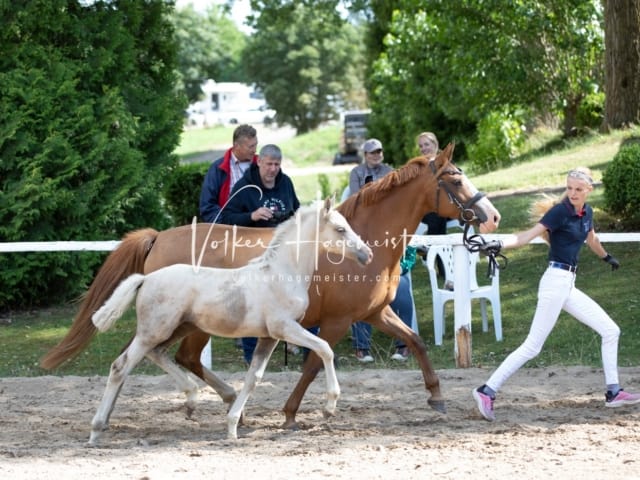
x: 467, y: 214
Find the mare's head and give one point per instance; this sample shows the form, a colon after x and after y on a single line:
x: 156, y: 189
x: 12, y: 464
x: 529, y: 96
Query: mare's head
x: 456, y: 196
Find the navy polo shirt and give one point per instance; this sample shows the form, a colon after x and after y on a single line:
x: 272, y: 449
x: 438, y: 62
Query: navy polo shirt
x: 567, y: 231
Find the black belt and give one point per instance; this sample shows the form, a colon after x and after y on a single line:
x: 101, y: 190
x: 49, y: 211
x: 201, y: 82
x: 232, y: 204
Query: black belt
x: 563, y: 266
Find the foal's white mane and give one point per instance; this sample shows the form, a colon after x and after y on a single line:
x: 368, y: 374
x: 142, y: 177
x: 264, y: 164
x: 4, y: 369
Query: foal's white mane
x: 282, y: 235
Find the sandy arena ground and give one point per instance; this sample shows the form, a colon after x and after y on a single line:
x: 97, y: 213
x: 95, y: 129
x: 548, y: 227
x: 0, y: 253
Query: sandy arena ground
x: 551, y: 423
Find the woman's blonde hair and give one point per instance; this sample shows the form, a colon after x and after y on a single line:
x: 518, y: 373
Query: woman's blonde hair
x: 541, y: 206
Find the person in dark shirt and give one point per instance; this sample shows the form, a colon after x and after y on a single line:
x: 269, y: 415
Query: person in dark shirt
x: 566, y: 226
x: 263, y: 197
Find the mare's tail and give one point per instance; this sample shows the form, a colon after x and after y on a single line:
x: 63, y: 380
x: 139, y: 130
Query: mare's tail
x: 113, y: 309
x: 127, y: 259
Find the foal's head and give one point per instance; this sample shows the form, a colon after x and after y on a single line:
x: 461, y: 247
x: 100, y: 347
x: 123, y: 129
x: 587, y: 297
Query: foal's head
x: 321, y: 229
x: 336, y: 236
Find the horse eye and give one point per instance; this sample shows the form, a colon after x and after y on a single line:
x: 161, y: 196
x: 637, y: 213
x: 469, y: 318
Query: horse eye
x: 341, y: 229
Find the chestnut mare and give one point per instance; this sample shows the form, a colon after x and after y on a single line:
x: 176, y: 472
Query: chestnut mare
x: 384, y: 213
x: 265, y: 298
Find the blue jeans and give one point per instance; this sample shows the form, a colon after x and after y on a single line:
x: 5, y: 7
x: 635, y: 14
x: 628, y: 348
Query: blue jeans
x: 249, y: 344
x: 402, y: 305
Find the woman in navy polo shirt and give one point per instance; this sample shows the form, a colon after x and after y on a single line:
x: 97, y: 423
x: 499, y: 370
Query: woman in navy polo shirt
x: 568, y: 224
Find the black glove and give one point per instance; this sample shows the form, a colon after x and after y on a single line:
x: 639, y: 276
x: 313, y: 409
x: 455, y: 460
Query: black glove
x: 615, y: 264
x: 492, y: 247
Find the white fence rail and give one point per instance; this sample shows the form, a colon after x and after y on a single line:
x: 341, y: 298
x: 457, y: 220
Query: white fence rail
x: 462, y: 302
x: 108, y: 245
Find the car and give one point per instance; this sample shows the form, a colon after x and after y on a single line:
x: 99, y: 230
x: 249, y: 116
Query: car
x: 354, y: 134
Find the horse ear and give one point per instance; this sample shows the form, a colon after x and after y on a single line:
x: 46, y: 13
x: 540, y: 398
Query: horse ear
x: 329, y: 202
x: 448, y: 151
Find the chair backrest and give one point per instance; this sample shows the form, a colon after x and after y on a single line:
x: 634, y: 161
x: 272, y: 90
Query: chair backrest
x: 445, y: 252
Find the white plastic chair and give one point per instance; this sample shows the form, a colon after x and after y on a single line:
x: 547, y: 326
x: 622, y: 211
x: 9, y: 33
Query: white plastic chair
x: 441, y: 295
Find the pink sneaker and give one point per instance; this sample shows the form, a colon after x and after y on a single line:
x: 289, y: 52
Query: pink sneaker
x: 485, y: 404
x: 622, y: 398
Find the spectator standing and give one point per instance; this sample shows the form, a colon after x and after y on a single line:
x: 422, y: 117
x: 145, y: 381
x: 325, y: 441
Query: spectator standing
x: 370, y: 170
x: 226, y: 171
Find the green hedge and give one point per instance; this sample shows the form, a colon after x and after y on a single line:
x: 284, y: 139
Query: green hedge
x: 621, y: 180
x: 182, y: 192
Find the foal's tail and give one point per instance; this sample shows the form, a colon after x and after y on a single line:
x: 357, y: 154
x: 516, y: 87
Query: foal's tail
x: 125, y: 260
x: 113, y: 309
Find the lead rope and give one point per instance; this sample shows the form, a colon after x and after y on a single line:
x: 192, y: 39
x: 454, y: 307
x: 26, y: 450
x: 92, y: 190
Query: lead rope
x: 473, y: 244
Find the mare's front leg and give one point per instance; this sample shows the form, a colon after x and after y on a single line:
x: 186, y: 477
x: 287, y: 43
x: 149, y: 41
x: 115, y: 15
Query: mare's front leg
x: 120, y: 368
x: 388, y: 322
x: 261, y: 355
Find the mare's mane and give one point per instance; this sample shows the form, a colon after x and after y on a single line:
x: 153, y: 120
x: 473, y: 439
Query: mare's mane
x: 374, y: 192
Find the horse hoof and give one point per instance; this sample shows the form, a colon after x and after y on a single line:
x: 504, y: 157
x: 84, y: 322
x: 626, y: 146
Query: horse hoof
x: 291, y: 425
x: 438, y: 405
x: 328, y: 414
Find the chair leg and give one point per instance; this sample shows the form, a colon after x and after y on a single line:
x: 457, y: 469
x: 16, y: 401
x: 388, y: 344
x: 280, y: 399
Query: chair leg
x: 483, y: 311
x: 497, y: 319
x: 438, y: 323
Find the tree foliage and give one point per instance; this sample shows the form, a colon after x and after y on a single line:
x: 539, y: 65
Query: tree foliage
x: 89, y: 123
x: 305, y: 58
x: 210, y: 46
x: 446, y: 65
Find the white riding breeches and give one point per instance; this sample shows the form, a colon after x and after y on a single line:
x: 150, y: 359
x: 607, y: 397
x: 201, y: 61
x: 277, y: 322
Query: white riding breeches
x: 557, y: 292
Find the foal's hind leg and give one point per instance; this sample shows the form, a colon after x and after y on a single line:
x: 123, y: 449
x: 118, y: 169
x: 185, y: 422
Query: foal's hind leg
x: 187, y: 385
x: 261, y: 355
x: 188, y: 355
x: 120, y: 368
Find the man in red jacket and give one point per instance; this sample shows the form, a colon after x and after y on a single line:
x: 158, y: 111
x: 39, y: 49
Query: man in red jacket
x: 226, y: 171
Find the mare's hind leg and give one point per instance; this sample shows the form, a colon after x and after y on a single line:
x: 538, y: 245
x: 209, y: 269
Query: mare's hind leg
x: 261, y: 355
x: 120, y: 368
x: 188, y: 355
x: 187, y: 385
x: 388, y: 322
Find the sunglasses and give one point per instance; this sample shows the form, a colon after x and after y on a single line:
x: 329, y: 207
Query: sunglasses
x: 375, y: 152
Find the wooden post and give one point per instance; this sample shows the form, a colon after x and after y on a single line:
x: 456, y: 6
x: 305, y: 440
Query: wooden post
x: 462, y: 305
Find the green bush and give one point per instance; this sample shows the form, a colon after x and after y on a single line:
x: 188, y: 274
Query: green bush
x: 182, y: 192
x: 591, y: 111
x: 90, y: 120
x: 500, y: 135
x: 621, y: 180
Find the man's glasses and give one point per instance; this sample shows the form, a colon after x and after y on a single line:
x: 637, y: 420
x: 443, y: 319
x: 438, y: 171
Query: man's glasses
x: 375, y: 152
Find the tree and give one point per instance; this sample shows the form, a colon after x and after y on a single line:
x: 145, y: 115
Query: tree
x: 210, y: 46
x: 446, y: 65
x: 305, y: 58
x: 89, y: 121
x: 622, y: 72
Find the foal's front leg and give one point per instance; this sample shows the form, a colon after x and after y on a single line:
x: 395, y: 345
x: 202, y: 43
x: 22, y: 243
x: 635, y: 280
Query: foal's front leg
x: 261, y: 355
x: 293, y: 332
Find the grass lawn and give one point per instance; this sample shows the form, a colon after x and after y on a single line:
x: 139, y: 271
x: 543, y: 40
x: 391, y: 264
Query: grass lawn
x: 28, y: 335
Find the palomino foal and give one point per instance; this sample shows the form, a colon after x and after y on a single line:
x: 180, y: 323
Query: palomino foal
x: 265, y: 299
